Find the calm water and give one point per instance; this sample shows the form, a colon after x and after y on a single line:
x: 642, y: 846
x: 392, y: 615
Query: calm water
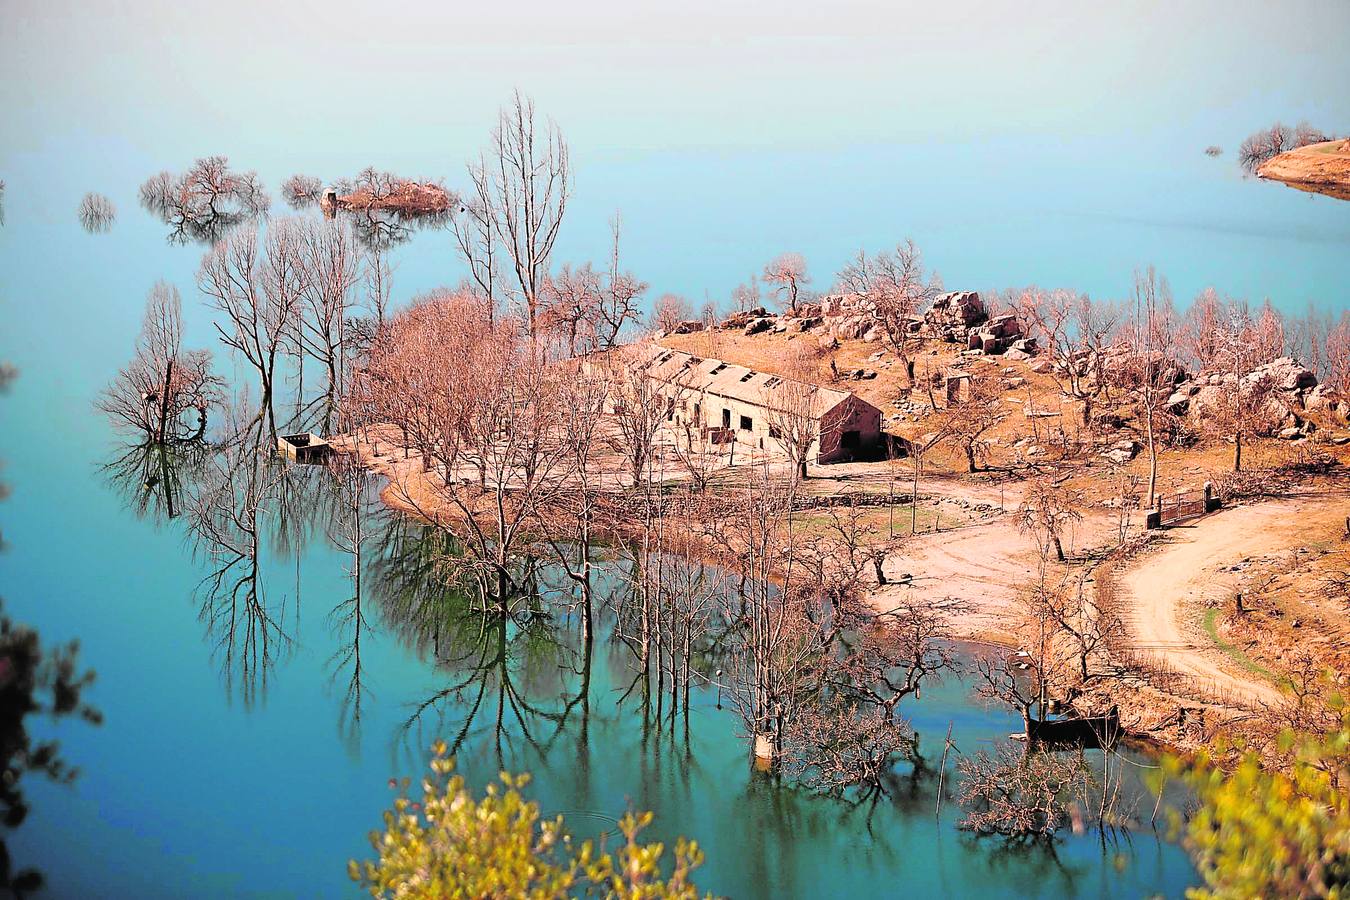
x: 1065, y: 155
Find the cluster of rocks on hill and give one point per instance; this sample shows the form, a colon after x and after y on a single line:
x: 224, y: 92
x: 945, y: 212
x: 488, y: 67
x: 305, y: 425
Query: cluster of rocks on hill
x: 1286, y: 398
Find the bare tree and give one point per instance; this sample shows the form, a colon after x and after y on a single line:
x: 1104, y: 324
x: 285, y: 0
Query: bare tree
x: 793, y: 411
x: 475, y: 235
x: 1338, y: 354
x: 970, y: 419
x: 895, y: 292
x: 330, y: 266
x: 524, y: 186
x: 97, y: 213
x: 258, y: 295
x: 163, y: 384
x: 1077, y: 333
x: 638, y: 406
x: 787, y: 273
x: 746, y: 296
x: 1047, y: 512
x: 300, y: 191
x: 1152, y: 375
x: 669, y: 311
x: 1238, y: 347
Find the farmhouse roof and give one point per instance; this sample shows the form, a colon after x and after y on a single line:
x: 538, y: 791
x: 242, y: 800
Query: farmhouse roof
x: 724, y: 379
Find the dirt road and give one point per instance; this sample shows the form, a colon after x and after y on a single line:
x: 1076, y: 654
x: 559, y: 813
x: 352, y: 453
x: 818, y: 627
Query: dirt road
x: 1165, y: 594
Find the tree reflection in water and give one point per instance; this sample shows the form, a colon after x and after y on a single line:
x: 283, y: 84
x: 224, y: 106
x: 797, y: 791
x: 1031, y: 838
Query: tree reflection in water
x: 239, y: 487
x: 152, y: 478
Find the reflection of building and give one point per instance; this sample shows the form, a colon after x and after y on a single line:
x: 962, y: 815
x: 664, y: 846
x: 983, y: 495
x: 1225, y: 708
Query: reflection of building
x: 732, y: 402
x: 305, y: 448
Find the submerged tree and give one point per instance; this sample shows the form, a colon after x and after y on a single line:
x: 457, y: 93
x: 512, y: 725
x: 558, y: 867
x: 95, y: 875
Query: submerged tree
x: 1020, y: 794
x: 97, y: 213
x: 165, y: 392
x: 300, y: 191
x: 204, y: 202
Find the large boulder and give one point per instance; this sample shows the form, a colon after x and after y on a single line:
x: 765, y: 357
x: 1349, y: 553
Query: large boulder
x: 1288, y: 374
x: 956, y: 308
x: 755, y: 326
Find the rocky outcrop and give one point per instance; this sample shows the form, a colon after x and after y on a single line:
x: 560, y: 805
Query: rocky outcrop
x: 1284, y: 396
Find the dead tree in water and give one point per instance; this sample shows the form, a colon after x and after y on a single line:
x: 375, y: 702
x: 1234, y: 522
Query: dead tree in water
x: 204, y: 202
x: 163, y: 384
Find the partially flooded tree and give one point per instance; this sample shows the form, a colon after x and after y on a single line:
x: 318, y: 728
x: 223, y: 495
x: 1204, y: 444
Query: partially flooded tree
x: 300, y: 191
x: 206, y: 200
x: 1019, y: 794
x: 165, y: 392
x: 97, y: 213
x: 787, y: 273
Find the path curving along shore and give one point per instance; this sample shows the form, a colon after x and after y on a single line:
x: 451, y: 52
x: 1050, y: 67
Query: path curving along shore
x: 1164, y: 594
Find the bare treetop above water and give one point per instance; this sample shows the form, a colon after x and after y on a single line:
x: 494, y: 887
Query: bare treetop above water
x: 97, y: 213
x: 300, y: 191
x: 204, y: 201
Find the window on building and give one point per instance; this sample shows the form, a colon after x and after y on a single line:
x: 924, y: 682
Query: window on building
x: 774, y: 432
x: 747, y: 424
x: 726, y: 418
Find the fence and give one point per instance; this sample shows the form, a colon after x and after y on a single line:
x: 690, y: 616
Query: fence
x: 1183, y: 505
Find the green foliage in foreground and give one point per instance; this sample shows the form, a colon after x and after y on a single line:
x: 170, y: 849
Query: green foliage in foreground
x: 453, y: 845
x: 1266, y: 833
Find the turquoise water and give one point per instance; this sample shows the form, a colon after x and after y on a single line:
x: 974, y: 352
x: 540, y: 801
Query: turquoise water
x: 1015, y: 144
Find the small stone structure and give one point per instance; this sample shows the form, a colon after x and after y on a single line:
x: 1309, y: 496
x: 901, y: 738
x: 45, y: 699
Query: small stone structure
x: 305, y: 448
